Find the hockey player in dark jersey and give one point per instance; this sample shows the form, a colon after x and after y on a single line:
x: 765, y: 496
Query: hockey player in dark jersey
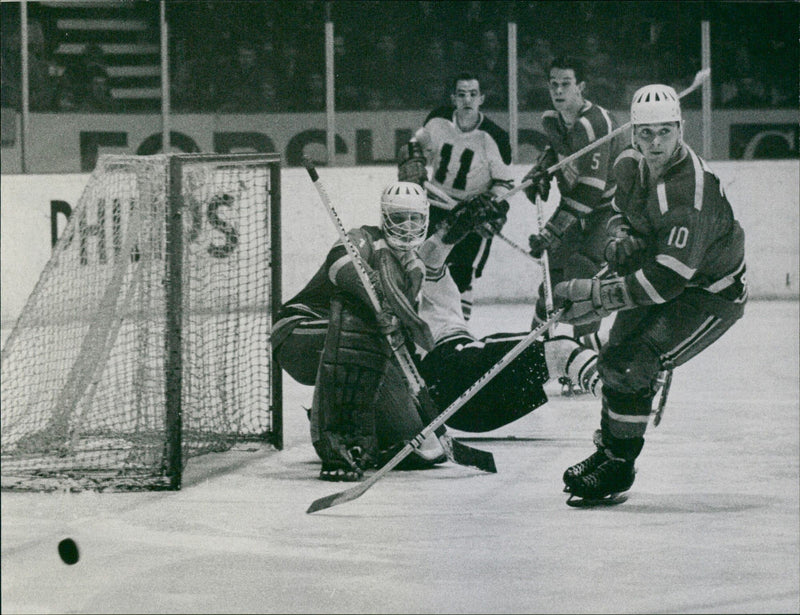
x: 470, y: 156
x: 574, y: 236
x: 677, y: 254
x: 309, y: 322
x: 329, y: 335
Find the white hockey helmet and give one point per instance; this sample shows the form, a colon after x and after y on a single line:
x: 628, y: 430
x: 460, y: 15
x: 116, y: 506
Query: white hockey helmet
x: 655, y: 104
x: 404, y: 215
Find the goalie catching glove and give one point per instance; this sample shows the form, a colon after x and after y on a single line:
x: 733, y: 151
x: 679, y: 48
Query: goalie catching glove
x: 481, y: 214
x: 411, y: 164
x: 590, y: 300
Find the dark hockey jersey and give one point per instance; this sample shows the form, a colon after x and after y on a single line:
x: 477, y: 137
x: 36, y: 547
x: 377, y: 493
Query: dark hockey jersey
x: 693, y: 239
x: 466, y: 163
x: 587, y: 183
x: 315, y: 297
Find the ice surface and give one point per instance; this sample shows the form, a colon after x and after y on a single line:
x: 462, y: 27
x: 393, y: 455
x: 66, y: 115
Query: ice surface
x: 712, y: 524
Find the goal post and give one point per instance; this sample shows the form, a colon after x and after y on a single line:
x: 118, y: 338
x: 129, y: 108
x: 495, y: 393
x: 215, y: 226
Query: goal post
x: 146, y: 340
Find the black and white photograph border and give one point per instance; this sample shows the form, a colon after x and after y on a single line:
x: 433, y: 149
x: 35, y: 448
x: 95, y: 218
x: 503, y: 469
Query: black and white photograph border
x: 712, y: 522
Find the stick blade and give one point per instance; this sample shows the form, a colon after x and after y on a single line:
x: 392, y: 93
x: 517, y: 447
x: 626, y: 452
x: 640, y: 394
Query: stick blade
x: 702, y: 75
x: 309, y: 165
x: 329, y: 501
x: 473, y: 457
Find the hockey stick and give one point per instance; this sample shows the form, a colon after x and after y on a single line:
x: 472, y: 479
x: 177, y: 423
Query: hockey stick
x: 699, y: 78
x: 456, y: 452
x: 545, y: 262
x: 665, y: 376
x: 451, y: 202
x: 351, y: 494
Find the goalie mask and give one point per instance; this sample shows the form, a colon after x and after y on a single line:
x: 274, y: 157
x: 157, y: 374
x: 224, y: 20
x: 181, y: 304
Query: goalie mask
x: 404, y: 215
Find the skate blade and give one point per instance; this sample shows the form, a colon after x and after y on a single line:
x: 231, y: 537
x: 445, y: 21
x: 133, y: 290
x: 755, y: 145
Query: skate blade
x: 340, y: 475
x: 609, y: 500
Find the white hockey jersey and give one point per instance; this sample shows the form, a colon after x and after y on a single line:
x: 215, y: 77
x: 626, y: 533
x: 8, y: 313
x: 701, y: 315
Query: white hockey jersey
x: 466, y: 163
x: 440, y: 306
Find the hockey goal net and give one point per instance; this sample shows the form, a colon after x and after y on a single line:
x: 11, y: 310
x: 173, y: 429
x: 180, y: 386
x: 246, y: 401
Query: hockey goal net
x: 146, y: 339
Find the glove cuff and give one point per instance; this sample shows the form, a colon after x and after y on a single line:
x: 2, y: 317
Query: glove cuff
x: 612, y: 294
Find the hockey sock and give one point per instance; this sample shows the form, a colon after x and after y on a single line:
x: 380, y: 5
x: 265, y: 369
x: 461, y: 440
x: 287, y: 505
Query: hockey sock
x: 577, y: 365
x: 581, y: 369
x: 591, y: 340
x: 466, y: 303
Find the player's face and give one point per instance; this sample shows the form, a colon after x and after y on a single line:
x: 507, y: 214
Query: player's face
x: 657, y: 142
x: 565, y: 91
x: 467, y: 98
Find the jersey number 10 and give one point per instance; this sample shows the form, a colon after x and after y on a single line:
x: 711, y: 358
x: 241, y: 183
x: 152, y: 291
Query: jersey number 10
x: 678, y: 237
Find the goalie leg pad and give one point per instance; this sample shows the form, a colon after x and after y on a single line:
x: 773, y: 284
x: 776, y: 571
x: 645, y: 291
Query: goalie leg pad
x: 343, y: 413
x: 297, y: 343
x: 399, y: 419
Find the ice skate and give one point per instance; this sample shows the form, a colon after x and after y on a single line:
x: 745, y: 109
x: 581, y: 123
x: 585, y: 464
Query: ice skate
x: 603, y: 486
x: 347, y: 469
x: 588, y: 465
x: 336, y: 472
x: 569, y: 389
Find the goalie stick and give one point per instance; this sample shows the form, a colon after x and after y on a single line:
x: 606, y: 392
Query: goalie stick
x: 354, y: 492
x: 699, y: 78
x: 456, y: 452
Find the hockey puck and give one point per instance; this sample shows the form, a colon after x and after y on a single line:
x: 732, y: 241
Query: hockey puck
x: 68, y: 551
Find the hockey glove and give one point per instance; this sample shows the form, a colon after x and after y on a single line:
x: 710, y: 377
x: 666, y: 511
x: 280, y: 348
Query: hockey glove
x: 621, y: 250
x: 411, y: 164
x: 389, y: 326
x: 540, y: 186
x: 541, y: 242
x: 550, y: 237
x: 590, y: 300
x: 494, y: 216
x: 473, y: 215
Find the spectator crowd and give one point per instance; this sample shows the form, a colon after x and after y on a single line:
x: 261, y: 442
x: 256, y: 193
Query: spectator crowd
x: 242, y: 57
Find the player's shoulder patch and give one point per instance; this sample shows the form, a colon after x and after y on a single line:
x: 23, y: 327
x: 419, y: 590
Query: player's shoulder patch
x: 444, y: 112
x: 499, y: 135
